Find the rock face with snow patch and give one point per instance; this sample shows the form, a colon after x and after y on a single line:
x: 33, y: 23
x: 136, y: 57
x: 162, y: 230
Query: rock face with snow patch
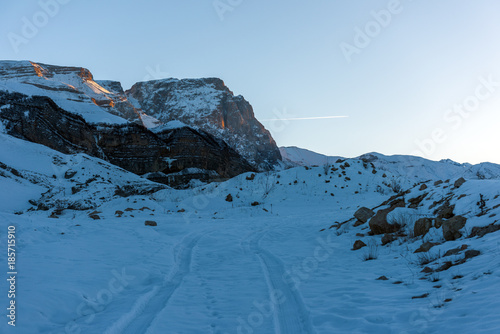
x: 209, y: 105
x: 196, y: 154
x: 203, y: 104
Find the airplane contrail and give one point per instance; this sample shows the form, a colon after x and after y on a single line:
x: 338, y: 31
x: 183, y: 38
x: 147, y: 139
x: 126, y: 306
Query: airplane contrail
x: 302, y: 118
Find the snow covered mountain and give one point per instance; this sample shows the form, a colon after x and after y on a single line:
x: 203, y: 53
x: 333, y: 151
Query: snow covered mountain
x: 373, y: 244
x: 66, y: 109
x: 209, y: 105
x: 203, y: 104
x: 403, y: 166
x: 105, y: 251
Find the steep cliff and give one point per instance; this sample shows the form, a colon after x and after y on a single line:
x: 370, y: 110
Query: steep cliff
x: 209, y: 105
x: 174, y: 156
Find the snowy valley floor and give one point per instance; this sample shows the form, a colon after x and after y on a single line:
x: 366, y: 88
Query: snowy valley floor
x: 241, y: 270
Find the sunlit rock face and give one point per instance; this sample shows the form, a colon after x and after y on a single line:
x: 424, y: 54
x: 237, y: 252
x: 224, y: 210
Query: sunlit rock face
x: 209, y: 105
x: 203, y: 104
x: 174, y: 156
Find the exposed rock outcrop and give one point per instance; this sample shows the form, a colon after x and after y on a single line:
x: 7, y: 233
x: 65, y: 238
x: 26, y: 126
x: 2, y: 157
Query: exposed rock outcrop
x: 209, y: 105
x: 451, y: 228
x: 174, y: 156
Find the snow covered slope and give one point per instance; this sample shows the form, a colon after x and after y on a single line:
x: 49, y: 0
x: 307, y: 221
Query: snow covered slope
x: 203, y: 104
x: 403, y: 166
x: 303, y: 157
x: 260, y: 253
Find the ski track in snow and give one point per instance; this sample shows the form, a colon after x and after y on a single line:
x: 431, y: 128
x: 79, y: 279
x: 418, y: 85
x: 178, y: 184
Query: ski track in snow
x: 149, y: 305
x: 290, y: 313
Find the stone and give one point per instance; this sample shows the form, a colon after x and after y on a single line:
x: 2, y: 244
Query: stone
x: 445, y: 211
x: 459, y: 182
x: 380, y: 225
x: 438, y: 222
x: 481, y: 231
x: 69, y: 174
x: 358, y: 244
x: 447, y: 265
x: 452, y: 227
x: 423, y: 187
x: 358, y: 223
x: 363, y: 214
x: 453, y: 251
x: 425, y: 295
x: 427, y: 270
x: 150, y: 223
x: 229, y: 198
x: 415, y: 202
x: 382, y: 278
x: 422, y: 226
x: 469, y: 254
x: 388, y: 238
x: 425, y: 247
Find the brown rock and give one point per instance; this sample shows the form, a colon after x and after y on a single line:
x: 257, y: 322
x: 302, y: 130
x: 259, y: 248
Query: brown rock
x: 422, y: 226
x: 229, y: 198
x: 459, y: 182
x: 453, y: 251
x: 445, y: 211
x: 451, y: 228
x: 427, y: 270
x: 150, y: 223
x: 363, y: 214
x: 382, y: 278
x: 423, y: 187
x: 480, y: 232
x: 379, y: 225
x: 358, y: 244
x: 447, y: 265
x: 472, y: 253
x: 415, y: 202
x: 438, y: 222
x: 425, y: 295
x: 388, y: 238
x: 425, y: 247
x: 358, y: 223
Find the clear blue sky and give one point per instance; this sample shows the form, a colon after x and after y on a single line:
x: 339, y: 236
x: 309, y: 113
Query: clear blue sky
x: 399, y: 87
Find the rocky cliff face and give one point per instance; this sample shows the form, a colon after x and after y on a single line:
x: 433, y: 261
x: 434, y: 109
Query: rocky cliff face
x: 209, y: 105
x: 203, y: 104
x: 173, y: 156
